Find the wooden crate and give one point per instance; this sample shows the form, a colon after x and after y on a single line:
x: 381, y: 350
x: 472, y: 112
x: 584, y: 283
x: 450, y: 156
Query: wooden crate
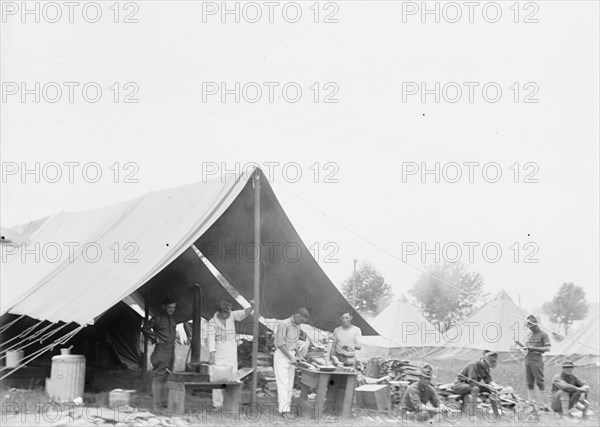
x: 374, y: 396
x: 118, y: 397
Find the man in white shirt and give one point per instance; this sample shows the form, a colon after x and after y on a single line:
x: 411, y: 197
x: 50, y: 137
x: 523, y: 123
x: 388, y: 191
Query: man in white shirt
x: 346, y: 340
x: 222, y: 340
x: 285, y: 358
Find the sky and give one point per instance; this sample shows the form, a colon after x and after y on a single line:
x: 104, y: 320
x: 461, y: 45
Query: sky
x: 360, y: 131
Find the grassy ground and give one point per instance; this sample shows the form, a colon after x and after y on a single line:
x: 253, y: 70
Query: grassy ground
x: 200, y: 413
x: 513, y: 374
x: 95, y: 411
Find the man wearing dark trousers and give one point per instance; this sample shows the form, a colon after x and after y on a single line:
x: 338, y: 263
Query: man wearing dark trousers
x: 161, y: 330
x: 421, y: 398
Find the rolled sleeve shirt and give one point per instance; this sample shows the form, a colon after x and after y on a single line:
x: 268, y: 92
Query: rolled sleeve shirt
x: 288, y: 334
x: 566, y: 382
x: 536, y: 339
x: 420, y: 394
x: 475, y: 372
x: 216, y: 331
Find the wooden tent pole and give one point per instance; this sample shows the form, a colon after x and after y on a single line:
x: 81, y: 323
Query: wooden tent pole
x: 196, y: 324
x: 145, y: 355
x: 257, y: 259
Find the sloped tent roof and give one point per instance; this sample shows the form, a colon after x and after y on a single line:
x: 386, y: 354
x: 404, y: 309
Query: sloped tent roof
x: 582, y: 346
x: 160, y: 228
x: 495, y: 326
x: 402, y: 332
x: 8, y: 235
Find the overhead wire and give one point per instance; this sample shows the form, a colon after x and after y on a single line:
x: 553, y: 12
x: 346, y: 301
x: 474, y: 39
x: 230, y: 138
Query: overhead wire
x: 295, y: 119
x: 23, y: 334
x: 41, y: 351
x: 42, y: 339
x: 423, y: 271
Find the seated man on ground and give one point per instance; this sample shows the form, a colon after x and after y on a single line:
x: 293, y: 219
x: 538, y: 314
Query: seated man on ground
x: 422, y: 399
x: 568, y: 390
x: 475, y: 378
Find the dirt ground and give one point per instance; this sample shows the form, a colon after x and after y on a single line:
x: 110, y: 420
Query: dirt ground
x: 33, y: 407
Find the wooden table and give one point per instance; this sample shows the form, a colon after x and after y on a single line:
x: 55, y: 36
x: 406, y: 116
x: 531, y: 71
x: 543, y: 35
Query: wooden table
x: 178, y: 384
x: 335, y: 390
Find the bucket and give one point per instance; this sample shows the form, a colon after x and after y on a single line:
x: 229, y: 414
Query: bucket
x: 13, y: 358
x: 200, y: 367
x: 119, y: 397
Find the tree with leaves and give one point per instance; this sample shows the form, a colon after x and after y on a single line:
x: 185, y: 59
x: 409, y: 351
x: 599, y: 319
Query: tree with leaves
x: 366, y: 287
x: 569, y: 304
x: 447, y: 293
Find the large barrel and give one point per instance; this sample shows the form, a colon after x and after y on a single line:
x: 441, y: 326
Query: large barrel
x: 67, y: 377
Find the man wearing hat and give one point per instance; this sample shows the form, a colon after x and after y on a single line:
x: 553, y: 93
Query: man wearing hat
x: 422, y: 399
x: 476, y: 378
x: 536, y: 343
x: 222, y: 340
x: 567, y: 390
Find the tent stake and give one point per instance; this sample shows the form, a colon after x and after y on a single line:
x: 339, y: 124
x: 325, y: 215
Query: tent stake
x: 257, y: 258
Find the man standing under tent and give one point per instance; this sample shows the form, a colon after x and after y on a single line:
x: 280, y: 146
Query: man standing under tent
x: 536, y: 343
x: 161, y: 330
x: 222, y: 342
x: 285, y: 360
x: 568, y: 390
x: 475, y: 378
x: 422, y: 399
x: 346, y: 340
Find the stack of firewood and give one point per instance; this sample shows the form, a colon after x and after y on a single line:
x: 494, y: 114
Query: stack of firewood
x: 399, y: 370
x: 266, y: 380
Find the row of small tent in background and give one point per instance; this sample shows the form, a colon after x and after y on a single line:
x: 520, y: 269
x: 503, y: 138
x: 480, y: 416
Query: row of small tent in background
x: 405, y: 333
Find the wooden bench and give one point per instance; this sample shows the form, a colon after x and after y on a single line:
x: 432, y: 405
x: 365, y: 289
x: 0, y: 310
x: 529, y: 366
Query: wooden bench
x: 232, y: 394
x: 178, y: 384
x: 335, y: 390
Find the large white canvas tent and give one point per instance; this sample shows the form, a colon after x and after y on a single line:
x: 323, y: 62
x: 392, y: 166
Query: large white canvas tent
x: 403, y: 332
x: 495, y: 326
x: 582, y: 346
x: 147, y: 245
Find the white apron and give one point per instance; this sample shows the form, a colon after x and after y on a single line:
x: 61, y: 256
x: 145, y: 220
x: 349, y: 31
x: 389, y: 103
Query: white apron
x: 225, y: 345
